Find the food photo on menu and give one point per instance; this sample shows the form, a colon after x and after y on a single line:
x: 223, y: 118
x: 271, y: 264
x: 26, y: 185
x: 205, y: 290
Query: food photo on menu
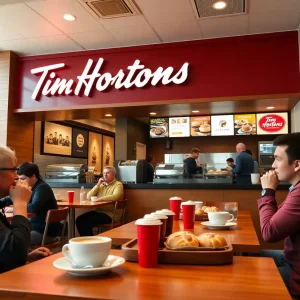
x: 222, y: 125
x: 159, y: 127
x: 200, y: 126
x: 179, y: 127
x: 245, y: 124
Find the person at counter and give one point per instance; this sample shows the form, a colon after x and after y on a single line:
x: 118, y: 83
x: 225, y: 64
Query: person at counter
x: 191, y: 165
x: 148, y: 169
x: 283, y: 221
x: 244, y: 165
x: 230, y: 162
x: 107, y: 189
x: 256, y: 167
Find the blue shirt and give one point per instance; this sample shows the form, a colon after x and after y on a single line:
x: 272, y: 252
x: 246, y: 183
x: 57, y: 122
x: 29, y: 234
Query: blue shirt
x: 244, y: 164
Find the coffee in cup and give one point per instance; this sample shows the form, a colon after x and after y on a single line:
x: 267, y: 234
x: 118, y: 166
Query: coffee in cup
x: 87, y: 251
x: 219, y: 217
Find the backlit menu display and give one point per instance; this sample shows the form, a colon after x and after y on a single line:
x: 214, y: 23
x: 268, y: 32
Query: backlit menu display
x: 222, y: 125
x: 200, y: 126
x: 245, y: 124
x: 159, y: 127
x: 272, y: 123
x: 179, y: 126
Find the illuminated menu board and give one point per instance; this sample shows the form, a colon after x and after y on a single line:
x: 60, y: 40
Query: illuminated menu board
x: 159, y: 127
x: 179, y: 126
x: 272, y: 123
x: 200, y: 126
x: 222, y: 125
x: 245, y: 124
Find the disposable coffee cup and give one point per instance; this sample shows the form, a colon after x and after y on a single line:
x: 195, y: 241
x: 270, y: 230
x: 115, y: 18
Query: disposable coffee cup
x: 163, y: 218
x: 148, y: 231
x: 255, y: 178
x: 175, y: 206
x: 198, y: 204
x: 219, y: 217
x: 94, y: 198
x: 188, y: 211
x: 70, y: 196
x: 170, y: 214
x: 87, y: 251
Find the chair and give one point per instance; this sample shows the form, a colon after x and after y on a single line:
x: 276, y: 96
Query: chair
x: 119, y: 204
x: 54, y: 216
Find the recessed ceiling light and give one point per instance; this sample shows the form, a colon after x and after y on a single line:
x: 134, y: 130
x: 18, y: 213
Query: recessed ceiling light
x: 195, y: 111
x: 153, y: 113
x: 69, y: 17
x: 219, y: 5
x: 108, y: 115
x: 270, y: 107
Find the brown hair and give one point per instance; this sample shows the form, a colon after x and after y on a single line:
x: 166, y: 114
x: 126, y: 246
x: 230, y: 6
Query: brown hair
x: 195, y: 150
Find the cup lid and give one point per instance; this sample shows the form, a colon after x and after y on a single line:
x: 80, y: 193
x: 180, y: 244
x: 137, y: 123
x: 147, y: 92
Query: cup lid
x: 166, y: 212
x: 148, y: 222
x: 159, y: 215
x: 175, y: 198
x: 189, y: 202
x: 149, y: 216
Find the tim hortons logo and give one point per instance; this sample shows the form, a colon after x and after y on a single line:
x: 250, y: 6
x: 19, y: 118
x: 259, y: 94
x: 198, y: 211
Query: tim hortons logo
x: 271, y: 123
x: 50, y: 84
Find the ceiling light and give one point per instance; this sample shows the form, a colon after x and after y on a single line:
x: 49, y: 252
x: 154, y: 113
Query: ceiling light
x: 69, y: 17
x: 270, y: 107
x: 219, y: 5
x: 195, y: 111
x: 108, y: 115
x: 153, y: 113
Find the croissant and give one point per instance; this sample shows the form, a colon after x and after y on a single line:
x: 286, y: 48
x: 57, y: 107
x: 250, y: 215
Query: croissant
x: 182, y: 239
x: 212, y: 240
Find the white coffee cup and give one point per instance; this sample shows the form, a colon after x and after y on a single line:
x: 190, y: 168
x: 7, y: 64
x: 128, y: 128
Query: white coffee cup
x: 87, y: 251
x: 219, y: 217
x: 198, y: 204
x: 255, y: 178
x: 94, y: 198
x: 57, y: 196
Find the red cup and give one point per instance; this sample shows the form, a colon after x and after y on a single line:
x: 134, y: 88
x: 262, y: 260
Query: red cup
x: 71, y: 196
x: 175, y: 206
x: 170, y: 214
x: 163, y: 218
x: 148, y: 231
x: 188, y: 209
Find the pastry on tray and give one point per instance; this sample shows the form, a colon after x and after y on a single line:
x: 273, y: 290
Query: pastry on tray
x: 182, y: 239
x: 212, y: 240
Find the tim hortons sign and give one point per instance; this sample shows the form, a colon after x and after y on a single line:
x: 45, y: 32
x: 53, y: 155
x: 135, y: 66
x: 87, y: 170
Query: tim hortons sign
x: 138, y: 76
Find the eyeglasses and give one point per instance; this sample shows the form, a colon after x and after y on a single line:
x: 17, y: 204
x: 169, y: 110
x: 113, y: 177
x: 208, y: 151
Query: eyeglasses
x: 9, y: 169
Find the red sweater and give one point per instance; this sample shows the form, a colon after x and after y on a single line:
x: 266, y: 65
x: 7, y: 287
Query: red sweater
x: 283, y: 222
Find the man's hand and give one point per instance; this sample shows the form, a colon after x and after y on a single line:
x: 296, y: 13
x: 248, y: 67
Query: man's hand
x: 269, y: 180
x: 101, y: 180
x: 20, y: 195
x: 38, y: 254
x: 228, y: 168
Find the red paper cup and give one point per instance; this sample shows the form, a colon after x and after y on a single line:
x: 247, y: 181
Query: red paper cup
x: 175, y: 206
x: 148, y: 239
x: 188, y: 209
x: 170, y: 214
x: 71, y: 196
x: 163, y: 218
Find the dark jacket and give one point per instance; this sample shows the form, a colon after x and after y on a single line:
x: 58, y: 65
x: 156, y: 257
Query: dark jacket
x: 41, y: 200
x: 148, y: 172
x: 14, y: 242
x: 244, y: 165
x: 190, y: 166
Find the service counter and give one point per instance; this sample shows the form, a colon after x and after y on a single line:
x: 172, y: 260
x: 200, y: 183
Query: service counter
x: 145, y: 198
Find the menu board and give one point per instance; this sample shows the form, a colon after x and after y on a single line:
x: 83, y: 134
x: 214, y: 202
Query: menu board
x: 159, y: 127
x: 179, y: 126
x: 245, y: 124
x: 272, y: 123
x: 200, y: 126
x: 222, y: 125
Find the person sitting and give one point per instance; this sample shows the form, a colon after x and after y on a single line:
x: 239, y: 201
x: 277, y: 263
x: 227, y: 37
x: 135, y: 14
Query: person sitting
x: 107, y: 189
x: 230, y: 162
x: 15, y: 236
x: 191, y: 166
x: 41, y: 201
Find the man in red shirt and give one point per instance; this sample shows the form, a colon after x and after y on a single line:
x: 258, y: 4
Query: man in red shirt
x: 283, y: 221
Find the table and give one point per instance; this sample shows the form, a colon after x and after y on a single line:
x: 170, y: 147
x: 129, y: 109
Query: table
x: 78, y: 204
x: 243, y: 237
x: 9, y: 215
x: 247, y: 278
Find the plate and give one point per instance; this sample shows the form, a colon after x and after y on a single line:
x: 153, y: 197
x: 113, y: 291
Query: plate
x: 242, y: 132
x: 216, y: 227
x: 111, y: 263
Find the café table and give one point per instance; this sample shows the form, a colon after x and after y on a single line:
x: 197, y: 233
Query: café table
x: 78, y: 204
x: 247, y: 278
x: 243, y: 237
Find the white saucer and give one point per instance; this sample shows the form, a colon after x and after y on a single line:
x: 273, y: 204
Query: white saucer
x: 211, y: 226
x: 111, y: 262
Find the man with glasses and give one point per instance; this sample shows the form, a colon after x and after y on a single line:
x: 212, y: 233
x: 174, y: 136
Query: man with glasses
x: 15, y: 237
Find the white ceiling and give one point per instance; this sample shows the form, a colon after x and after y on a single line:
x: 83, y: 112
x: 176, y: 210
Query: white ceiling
x: 37, y: 27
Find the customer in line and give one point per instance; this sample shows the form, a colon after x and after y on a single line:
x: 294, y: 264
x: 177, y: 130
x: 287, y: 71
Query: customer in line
x: 283, y: 222
x: 41, y: 201
x: 15, y: 236
x: 244, y: 165
x: 107, y: 189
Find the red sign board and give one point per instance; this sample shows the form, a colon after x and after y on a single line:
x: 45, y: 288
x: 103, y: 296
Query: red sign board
x: 272, y: 123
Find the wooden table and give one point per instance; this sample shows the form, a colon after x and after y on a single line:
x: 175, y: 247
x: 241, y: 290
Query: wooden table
x: 247, y: 278
x: 78, y: 204
x: 242, y: 237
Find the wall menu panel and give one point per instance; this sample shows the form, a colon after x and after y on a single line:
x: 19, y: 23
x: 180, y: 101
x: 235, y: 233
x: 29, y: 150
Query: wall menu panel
x: 200, y: 126
x: 222, y: 125
x: 272, y: 123
x: 179, y: 127
x: 159, y: 127
x: 245, y: 124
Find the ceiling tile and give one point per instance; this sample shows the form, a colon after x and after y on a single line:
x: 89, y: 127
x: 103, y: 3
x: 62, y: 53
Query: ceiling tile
x: 21, y: 47
x: 94, y: 39
x: 167, y: 11
x: 275, y: 21
x: 53, y: 10
x: 7, y: 34
x: 259, y: 6
x: 129, y: 36
x: 225, y: 26
x: 123, y: 22
x: 23, y: 20
x: 180, y: 31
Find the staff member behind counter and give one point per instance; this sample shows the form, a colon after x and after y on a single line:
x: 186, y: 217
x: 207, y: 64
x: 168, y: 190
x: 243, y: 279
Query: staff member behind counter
x: 191, y: 165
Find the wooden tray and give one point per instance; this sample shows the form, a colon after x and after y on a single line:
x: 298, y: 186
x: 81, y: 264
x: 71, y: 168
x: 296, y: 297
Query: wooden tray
x: 203, y: 217
x: 182, y: 257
